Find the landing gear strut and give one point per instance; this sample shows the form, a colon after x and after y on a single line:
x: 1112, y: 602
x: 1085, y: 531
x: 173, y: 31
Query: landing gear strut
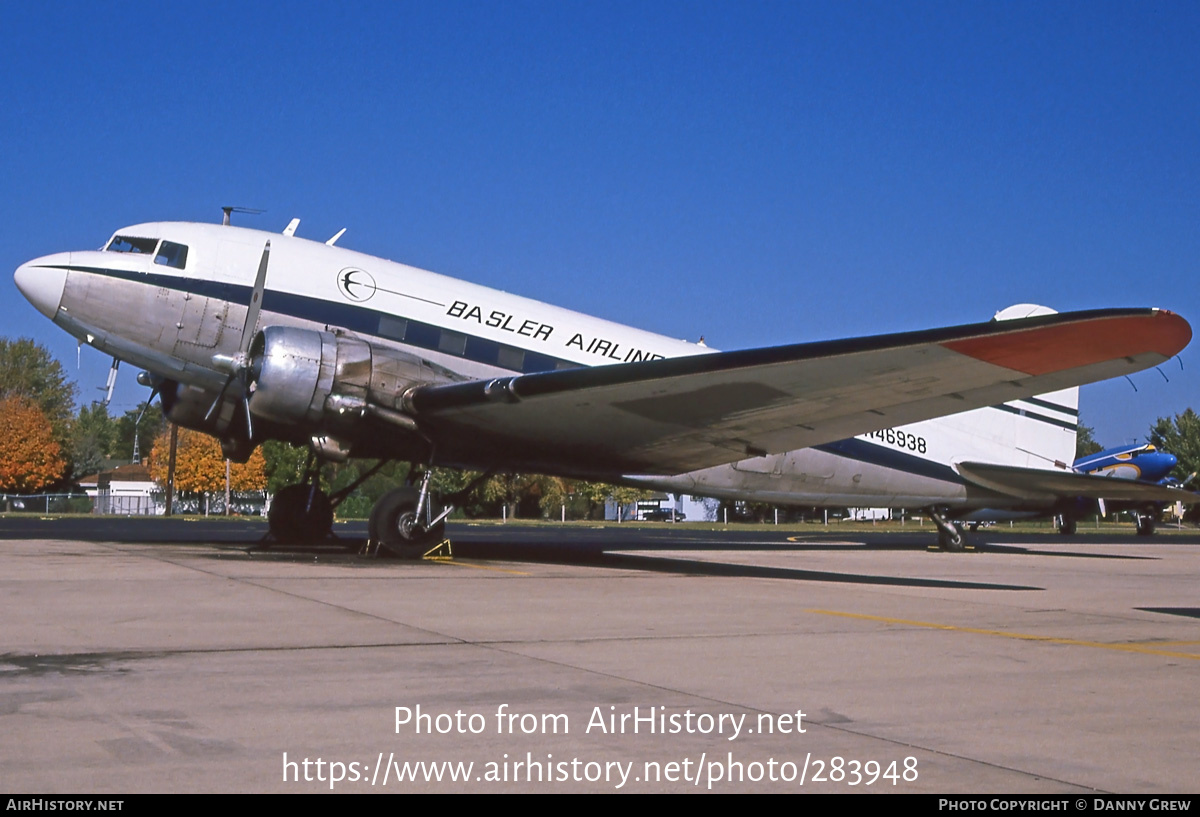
x: 951, y: 537
x: 1066, y: 524
x: 402, y: 521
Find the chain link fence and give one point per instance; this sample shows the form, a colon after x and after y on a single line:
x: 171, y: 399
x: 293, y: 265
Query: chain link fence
x: 45, y: 503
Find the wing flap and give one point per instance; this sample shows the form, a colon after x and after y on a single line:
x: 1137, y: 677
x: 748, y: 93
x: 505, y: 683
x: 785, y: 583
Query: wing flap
x: 681, y: 414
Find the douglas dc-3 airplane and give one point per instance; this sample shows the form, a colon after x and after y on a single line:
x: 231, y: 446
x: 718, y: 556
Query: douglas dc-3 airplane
x: 252, y: 336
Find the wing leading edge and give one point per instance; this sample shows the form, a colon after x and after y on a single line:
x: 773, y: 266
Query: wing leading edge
x: 682, y: 414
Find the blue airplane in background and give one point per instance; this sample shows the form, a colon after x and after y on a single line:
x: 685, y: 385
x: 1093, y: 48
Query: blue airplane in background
x: 1141, y: 462
x: 1132, y: 478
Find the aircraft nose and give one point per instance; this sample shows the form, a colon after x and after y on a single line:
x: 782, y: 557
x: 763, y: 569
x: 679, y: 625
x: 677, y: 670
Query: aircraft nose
x: 42, y: 285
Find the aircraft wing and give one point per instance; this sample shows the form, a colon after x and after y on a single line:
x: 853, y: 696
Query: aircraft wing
x: 681, y: 414
x: 1037, y: 483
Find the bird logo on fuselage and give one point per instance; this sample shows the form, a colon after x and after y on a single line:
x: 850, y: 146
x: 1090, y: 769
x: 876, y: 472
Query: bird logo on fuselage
x: 356, y: 284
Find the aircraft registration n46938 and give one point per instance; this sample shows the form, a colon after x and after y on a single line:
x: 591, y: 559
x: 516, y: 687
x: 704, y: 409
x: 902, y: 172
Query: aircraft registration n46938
x: 251, y: 336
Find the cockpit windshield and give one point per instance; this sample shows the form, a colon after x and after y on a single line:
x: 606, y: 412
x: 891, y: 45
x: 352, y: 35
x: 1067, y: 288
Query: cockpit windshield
x: 126, y: 243
x: 169, y: 253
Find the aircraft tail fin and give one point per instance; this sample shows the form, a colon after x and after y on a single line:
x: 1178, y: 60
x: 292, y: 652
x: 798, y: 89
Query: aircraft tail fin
x: 1035, y: 432
x: 1044, y: 433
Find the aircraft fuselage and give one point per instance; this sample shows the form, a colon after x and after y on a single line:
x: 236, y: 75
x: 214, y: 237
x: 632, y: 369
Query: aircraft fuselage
x: 172, y: 298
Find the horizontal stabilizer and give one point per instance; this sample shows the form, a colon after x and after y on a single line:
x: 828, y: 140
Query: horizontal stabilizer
x: 1038, y: 483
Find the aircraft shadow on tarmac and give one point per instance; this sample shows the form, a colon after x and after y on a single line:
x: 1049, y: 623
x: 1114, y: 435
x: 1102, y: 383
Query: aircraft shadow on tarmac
x: 600, y: 546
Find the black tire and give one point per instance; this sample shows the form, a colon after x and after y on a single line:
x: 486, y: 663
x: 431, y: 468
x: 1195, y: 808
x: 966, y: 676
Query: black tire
x: 1067, y: 525
x: 953, y: 542
x: 395, y: 527
x: 1146, y: 523
x: 292, y: 519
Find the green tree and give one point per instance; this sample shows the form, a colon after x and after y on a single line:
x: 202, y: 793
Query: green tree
x: 1179, y: 436
x: 148, y: 428
x: 92, y: 436
x: 28, y: 370
x: 1085, y: 442
x: 284, y: 465
x: 359, y: 502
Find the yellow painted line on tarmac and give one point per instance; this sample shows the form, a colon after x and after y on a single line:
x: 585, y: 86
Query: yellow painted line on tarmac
x: 1049, y: 639
x: 479, y: 567
x: 808, y: 539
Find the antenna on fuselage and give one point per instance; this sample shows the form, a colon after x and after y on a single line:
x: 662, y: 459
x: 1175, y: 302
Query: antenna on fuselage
x: 229, y: 211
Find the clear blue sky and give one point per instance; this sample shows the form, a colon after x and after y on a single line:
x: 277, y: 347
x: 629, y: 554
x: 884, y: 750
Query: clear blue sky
x: 757, y: 173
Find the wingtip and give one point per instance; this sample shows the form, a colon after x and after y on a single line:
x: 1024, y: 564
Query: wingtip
x: 1081, y: 342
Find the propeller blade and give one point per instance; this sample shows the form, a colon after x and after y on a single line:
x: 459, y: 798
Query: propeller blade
x: 146, y: 405
x: 208, y: 415
x: 249, y: 422
x: 238, y: 366
x: 256, y: 296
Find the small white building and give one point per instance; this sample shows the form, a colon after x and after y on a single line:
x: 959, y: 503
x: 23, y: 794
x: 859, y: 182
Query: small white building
x: 659, y: 506
x: 126, y: 490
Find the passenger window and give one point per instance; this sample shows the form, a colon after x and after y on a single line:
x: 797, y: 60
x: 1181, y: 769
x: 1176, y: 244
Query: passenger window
x: 171, y: 254
x: 511, y: 358
x: 125, y: 243
x: 454, y: 343
x: 391, y: 327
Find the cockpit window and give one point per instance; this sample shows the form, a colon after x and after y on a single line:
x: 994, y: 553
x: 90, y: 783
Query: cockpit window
x: 126, y: 243
x: 171, y: 254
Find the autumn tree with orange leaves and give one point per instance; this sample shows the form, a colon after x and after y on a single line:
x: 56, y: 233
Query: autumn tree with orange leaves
x: 200, y: 466
x: 30, y: 459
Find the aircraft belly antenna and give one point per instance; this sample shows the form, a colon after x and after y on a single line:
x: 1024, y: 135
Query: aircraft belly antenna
x: 290, y: 230
x: 336, y: 236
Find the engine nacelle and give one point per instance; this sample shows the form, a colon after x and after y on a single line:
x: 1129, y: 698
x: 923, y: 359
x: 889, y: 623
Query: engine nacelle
x: 201, y: 410
x: 325, y: 383
x: 192, y: 407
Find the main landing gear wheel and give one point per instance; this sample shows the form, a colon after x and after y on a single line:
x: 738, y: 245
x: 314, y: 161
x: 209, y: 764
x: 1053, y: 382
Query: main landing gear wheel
x: 951, y: 537
x: 294, y: 517
x: 396, y: 526
x: 1145, y: 524
x: 953, y: 540
x: 1066, y: 525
